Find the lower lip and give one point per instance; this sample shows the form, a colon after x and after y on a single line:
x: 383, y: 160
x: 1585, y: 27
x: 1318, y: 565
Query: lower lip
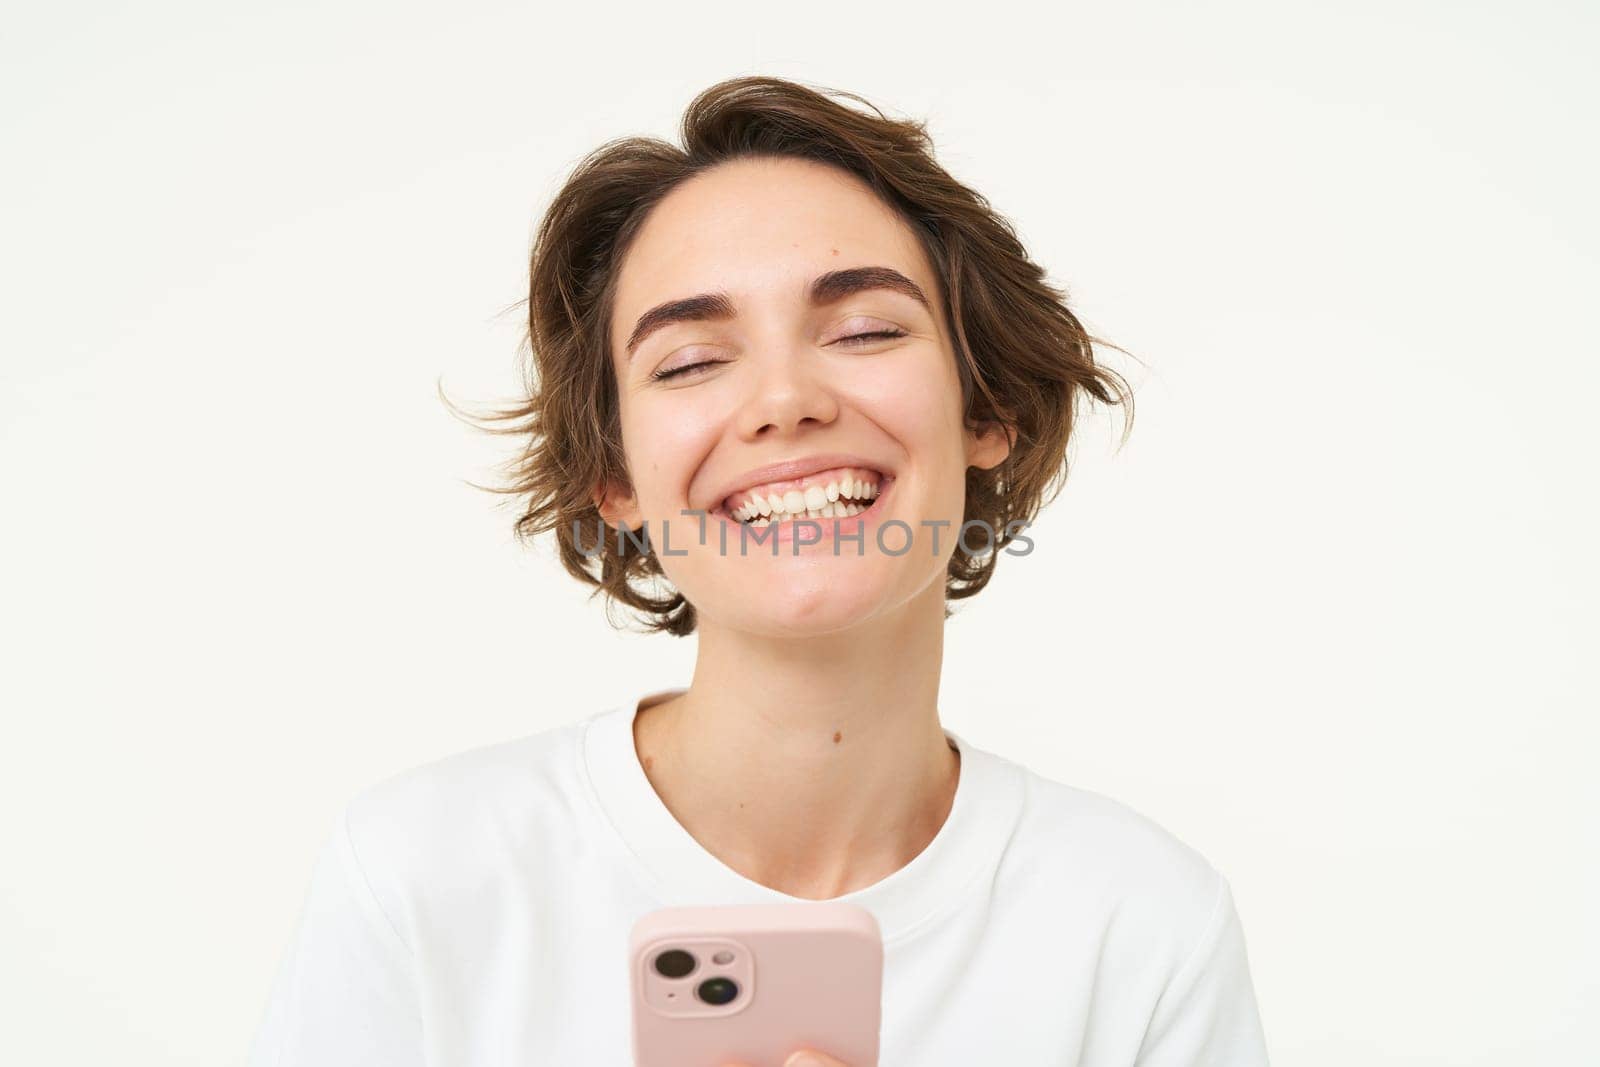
x: 784, y: 532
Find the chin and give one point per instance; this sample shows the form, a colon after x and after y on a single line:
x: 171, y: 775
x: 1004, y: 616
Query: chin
x: 803, y: 612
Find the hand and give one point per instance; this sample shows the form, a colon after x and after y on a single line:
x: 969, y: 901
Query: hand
x: 805, y: 1058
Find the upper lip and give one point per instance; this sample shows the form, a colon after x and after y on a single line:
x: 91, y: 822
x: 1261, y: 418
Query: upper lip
x: 793, y: 468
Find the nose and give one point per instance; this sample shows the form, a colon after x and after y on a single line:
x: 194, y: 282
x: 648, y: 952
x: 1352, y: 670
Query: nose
x: 786, y: 393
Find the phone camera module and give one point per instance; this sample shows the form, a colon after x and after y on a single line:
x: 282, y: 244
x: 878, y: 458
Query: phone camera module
x: 717, y: 990
x: 674, y: 963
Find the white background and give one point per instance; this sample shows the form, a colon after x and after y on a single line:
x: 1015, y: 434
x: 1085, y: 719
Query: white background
x: 1329, y: 615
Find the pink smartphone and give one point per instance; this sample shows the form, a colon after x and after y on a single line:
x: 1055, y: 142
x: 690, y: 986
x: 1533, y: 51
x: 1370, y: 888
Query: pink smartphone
x: 751, y: 983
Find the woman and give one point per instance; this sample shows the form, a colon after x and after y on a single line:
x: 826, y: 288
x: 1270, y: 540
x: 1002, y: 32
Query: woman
x: 795, y: 390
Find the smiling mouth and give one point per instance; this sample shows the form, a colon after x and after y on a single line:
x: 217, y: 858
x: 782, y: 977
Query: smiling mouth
x: 840, y: 494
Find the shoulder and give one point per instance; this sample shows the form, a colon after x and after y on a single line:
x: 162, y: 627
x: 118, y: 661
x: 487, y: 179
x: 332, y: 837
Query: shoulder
x: 1120, y: 869
x: 471, y: 779
x: 447, y: 823
x: 1112, y: 839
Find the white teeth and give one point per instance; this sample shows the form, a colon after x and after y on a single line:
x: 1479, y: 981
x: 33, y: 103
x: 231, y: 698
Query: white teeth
x: 846, y: 496
x: 832, y: 510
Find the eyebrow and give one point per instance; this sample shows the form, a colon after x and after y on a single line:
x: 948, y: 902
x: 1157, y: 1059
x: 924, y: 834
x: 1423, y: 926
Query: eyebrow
x: 825, y: 289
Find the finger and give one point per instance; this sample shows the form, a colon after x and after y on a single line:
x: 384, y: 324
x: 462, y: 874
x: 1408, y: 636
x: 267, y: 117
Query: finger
x: 812, y: 1058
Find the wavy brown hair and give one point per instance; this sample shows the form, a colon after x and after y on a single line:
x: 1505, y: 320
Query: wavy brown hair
x: 1024, y: 360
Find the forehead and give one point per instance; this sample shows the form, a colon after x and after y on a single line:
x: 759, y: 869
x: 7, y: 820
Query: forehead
x: 761, y: 229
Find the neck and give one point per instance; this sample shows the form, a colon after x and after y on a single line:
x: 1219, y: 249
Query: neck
x: 815, y: 767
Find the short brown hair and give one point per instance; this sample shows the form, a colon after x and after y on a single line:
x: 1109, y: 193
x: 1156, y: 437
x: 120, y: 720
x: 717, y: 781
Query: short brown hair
x: 1024, y: 360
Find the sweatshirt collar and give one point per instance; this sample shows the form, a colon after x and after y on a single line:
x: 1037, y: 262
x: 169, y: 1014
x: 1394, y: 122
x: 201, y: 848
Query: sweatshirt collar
x: 965, y: 851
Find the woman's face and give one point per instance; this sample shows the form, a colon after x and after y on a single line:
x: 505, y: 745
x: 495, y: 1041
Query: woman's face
x: 759, y: 365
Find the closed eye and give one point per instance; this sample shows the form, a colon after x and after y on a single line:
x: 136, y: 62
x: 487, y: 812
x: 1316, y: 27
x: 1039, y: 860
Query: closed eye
x: 663, y: 375
x: 695, y: 368
x: 876, y: 335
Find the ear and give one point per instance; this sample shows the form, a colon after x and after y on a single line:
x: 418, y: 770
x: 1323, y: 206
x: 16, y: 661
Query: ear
x: 989, y: 444
x: 618, y: 506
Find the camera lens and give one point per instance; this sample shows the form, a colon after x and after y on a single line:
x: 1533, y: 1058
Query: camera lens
x: 717, y: 990
x: 674, y: 963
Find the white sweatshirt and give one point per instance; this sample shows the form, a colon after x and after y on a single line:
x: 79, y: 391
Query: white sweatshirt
x: 475, y: 911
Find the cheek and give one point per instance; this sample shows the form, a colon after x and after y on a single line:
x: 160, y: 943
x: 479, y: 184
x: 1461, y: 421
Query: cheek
x: 920, y: 406
x: 665, y: 442
x: 916, y: 400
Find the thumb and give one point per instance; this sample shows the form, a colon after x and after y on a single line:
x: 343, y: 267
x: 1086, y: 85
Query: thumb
x: 812, y: 1058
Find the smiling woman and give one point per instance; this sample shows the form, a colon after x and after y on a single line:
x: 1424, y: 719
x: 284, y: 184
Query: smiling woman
x: 804, y: 362
x: 769, y: 165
